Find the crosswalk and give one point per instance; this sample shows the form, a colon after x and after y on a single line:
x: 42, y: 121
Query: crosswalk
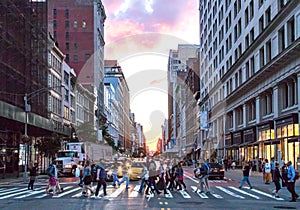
x: 73, y: 191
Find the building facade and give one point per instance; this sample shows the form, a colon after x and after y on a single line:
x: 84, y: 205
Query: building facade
x: 249, y: 75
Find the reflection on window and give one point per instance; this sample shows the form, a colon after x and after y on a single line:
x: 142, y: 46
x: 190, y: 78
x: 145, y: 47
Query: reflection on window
x: 83, y: 24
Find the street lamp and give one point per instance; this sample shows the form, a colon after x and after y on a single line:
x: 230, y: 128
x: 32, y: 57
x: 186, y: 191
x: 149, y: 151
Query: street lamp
x: 27, y: 110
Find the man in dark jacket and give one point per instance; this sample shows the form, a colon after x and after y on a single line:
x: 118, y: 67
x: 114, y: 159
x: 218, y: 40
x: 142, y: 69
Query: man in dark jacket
x: 276, y: 179
x: 100, y: 178
x: 246, y: 172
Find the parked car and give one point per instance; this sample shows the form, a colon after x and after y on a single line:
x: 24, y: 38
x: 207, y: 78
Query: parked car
x: 216, y: 171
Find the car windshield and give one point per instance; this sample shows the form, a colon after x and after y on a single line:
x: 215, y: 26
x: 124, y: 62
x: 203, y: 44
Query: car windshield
x: 215, y: 165
x: 66, y: 154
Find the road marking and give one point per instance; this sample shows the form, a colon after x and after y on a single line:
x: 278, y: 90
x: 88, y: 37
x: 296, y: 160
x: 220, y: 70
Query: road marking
x: 169, y: 194
x: 229, y: 192
x: 6, y: 190
x: 44, y: 195
x: 184, y: 194
x: 243, y: 192
x: 117, y: 192
x: 67, y: 192
x: 191, y: 178
x: 216, y: 195
x: 135, y: 192
x: 202, y: 195
x: 32, y: 193
x: 265, y: 194
x: 14, y: 194
x: 12, y: 191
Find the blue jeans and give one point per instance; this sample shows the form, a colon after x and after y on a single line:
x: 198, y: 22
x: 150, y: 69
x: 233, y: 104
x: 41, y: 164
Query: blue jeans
x: 142, y: 185
x: 125, y: 179
x: 115, y: 179
x: 245, y: 178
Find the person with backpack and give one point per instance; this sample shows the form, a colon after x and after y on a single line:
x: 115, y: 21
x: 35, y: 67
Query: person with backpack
x: 180, y: 173
x: 32, y: 170
x: 52, y: 173
x: 291, y: 174
x: 100, y: 178
x: 203, y: 174
x: 276, y: 179
x: 87, y: 179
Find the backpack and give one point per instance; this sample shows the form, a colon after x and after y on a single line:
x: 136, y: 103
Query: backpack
x: 51, y: 170
x: 205, y: 169
x: 296, y: 175
x: 94, y: 172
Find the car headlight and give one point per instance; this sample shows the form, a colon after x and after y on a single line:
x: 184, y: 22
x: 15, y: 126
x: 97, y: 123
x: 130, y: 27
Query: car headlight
x: 68, y: 166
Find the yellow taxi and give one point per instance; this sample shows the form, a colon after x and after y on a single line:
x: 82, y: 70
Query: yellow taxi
x: 135, y: 170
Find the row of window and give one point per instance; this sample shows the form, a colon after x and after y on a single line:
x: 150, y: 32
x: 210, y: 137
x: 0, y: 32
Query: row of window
x: 67, y: 24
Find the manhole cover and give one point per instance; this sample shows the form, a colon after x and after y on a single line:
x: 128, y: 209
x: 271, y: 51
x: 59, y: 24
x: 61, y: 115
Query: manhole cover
x: 284, y: 207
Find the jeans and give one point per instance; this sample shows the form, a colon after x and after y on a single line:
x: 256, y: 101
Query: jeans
x: 115, y: 179
x: 291, y: 189
x: 125, y: 179
x: 142, y: 185
x: 245, y: 178
x: 100, y: 182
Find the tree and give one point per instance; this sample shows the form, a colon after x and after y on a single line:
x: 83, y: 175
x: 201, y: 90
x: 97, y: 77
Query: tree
x: 86, y: 132
x: 108, y: 138
x: 48, y: 146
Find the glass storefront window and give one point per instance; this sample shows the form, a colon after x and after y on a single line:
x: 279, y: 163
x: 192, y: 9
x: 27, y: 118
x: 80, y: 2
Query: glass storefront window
x: 268, y: 134
x: 272, y: 134
x: 284, y: 131
x: 279, y: 132
x: 259, y: 136
x: 291, y: 130
x: 296, y: 129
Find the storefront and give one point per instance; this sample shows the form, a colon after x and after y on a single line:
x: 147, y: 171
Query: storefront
x: 250, y: 151
x: 265, y: 138
x: 228, y: 143
x: 287, y: 134
x: 236, y: 141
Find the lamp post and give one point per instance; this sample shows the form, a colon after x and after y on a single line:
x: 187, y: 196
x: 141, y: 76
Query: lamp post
x: 27, y: 110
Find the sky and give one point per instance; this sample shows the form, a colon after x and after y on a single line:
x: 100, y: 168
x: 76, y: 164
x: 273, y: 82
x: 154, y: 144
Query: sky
x: 139, y: 34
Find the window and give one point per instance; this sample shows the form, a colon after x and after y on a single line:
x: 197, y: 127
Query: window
x: 251, y: 35
x: 280, y: 4
x: 67, y: 24
x: 252, y: 65
x: 260, y: 3
x: 67, y: 13
x: 268, y: 51
x: 66, y: 78
x: 251, y: 110
x: 246, y: 17
x: 291, y: 31
x: 67, y: 57
x: 75, y: 58
x: 67, y: 35
x: 67, y: 46
x: 261, y: 24
x: 247, y: 68
x: 239, y: 115
x: 54, y: 35
x: 83, y: 24
x: 281, y: 40
x: 268, y: 16
x: 66, y: 96
x: 87, y: 56
x: 54, y: 24
x: 54, y: 13
x: 75, y: 23
x: 66, y: 112
x: 261, y: 57
x: 221, y: 34
x: 75, y: 46
x: 221, y: 15
x: 246, y: 41
x: 267, y: 103
x: 251, y: 9
x: 289, y: 93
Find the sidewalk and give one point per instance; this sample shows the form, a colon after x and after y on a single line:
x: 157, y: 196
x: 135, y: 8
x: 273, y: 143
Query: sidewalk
x: 256, y: 180
x: 20, y: 179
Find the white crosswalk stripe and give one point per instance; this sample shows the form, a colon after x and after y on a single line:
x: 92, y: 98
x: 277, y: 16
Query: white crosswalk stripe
x: 73, y: 191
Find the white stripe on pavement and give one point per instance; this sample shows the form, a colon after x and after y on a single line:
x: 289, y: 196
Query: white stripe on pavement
x: 80, y: 194
x: 5, y: 190
x: 243, y: 192
x: 169, y: 194
x: 14, y: 194
x: 135, y: 192
x: 31, y: 193
x: 216, y: 195
x: 44, y: 195
x: 67, y: 192
x: 202, y: 195
x: 117, y: 192
x: 184, y: 194
x: 265, y: 194
x: 229, y: 192
x: 191, y: 178
x: 12, y: 191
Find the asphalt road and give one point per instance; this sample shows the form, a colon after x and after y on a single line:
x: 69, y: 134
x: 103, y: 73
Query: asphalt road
x: 224, y: 195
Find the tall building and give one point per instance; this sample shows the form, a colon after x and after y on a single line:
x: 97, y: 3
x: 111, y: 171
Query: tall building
x: 24, y: 60
x: 78, y: 27
x: 249, y: 71
x: 115, y: 76
x: 177, y: 72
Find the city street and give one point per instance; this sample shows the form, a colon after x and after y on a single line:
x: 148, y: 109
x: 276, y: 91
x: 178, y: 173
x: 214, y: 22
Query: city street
x: 225, y: 194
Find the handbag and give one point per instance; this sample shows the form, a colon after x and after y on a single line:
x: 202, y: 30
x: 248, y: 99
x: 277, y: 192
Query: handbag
x: 87, y: 180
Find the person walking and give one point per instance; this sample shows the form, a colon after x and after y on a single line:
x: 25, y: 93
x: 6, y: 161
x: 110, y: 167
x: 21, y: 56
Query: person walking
x: 52, y: 173
x: 32, y: 174
x: 144, y: 178
x: 267, y: 172
x: 100, y: 178
x: 291, y: 173
x: 180, y: 176
x: 246, y: 172
x: 272, y: 165
x: 201, y: 173
x: 81, y: 169
x: 87, y: 179
x: 168, y: 178
x: 276, y: 179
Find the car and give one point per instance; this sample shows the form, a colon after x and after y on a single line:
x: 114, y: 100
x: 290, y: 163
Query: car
x: 216, y: 171
x: 135, y: 170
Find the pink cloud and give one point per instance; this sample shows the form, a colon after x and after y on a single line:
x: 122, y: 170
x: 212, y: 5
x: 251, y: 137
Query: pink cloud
x: 167, y: 17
